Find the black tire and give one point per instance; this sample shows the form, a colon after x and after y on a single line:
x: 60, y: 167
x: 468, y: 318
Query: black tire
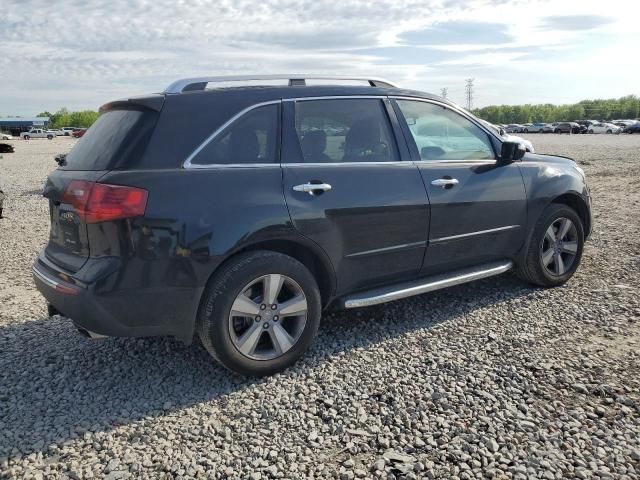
x: 214, y: 323
x: 27, y: 137
x: 526, y: 130
x: 531, y: 268
x: 609, y: 132
x: 50, y: 137
x: 590, y: 131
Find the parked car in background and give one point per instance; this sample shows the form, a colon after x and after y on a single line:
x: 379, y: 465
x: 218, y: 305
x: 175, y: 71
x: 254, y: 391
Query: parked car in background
x: 514, y: 128
x: 37, y: 133
x: 57, y: 132
x: 566, y: 127
x: 622, y: 123
x: 604, y: 128
x: 549, y: 127
x: 535, y: 128
x: 77, y: 133
x: 508, y: 137
x: 68, y: 130
x: 5, y: 136
x: 585, y: 124
x: 633, y: 128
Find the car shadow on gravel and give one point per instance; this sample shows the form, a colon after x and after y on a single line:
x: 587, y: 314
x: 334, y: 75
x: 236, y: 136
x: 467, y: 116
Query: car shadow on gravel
x: 56, y: 385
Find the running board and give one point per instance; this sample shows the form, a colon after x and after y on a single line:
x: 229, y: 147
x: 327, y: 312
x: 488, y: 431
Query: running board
x: 424, y: 285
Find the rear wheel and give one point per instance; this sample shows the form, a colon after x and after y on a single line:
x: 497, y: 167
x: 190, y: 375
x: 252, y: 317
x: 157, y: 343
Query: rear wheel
x: 50, y: 137
x: 609, y: 131
x: 27, y: 137
x: 260, y: 313
x: 555, y: 247
x: 590, y: 131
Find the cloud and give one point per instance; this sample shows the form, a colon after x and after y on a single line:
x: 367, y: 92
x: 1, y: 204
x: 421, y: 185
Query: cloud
x: 81, y: 56
x: 459, y: 32
x: 574, y: 22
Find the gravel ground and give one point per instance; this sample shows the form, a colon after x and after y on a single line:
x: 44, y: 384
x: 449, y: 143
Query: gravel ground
x: 493, y: 379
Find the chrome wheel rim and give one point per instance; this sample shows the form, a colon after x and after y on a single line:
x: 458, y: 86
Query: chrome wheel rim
x: 267, y: 317
x: 559, y: 247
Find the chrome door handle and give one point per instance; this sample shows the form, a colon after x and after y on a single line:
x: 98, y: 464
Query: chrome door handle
x: 312, y: 188
x: 445, y: 182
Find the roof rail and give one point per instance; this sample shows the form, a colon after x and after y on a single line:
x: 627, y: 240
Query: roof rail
x: 200, y: 83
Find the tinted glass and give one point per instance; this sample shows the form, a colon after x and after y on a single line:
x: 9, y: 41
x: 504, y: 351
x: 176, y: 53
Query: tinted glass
x: 350, y: 130
x: 442, y: 134
x: 252, y: 138
x: 115, y: 138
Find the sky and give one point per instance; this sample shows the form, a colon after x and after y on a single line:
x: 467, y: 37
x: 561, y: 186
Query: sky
x: 79, y: 55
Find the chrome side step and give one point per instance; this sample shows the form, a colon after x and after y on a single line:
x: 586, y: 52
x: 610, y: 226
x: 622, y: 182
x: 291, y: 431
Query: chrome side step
x: 424, y: 285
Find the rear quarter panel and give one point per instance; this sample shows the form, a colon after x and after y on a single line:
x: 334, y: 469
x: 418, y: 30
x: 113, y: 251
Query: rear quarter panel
x: 195, y: 219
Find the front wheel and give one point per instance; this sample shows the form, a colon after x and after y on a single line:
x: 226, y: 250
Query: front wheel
x: 260, y: 313
x: 27, y: 137
x: 609, y: 132
x: 50, y: 137
x: 555, y: 247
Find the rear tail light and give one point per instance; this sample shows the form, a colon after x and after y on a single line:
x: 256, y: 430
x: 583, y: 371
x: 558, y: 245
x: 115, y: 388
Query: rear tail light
x: 100, y: 202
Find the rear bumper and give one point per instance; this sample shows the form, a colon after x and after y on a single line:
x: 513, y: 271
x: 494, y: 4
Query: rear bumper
x: 118, y: 313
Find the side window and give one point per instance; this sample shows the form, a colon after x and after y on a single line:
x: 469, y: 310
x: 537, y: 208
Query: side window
x: 252, y: 138
x: 349, y: 130
x: 442, y: 134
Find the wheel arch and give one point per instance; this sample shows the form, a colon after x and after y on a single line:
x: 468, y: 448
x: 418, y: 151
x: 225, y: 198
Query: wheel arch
x: 313, y: 258
x: 577, y: 203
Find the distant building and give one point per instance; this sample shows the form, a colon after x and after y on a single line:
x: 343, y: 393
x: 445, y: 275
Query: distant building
x: 15, y: 125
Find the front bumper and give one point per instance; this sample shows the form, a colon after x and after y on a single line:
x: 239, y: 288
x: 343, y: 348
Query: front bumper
x: 118, y: 313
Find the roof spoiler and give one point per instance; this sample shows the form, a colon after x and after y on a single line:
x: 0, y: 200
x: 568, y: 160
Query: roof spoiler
x: 149, y: 102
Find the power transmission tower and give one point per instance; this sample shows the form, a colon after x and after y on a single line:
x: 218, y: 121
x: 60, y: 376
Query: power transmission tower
x: 444, y: 92
x: 469, y: 93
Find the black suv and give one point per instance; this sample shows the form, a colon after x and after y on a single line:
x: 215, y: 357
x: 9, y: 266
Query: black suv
x: 240, y: 213
x: 568, y: 127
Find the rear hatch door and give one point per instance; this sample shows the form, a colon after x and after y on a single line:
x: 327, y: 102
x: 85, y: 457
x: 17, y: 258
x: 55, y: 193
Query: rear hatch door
x: 117, y: 139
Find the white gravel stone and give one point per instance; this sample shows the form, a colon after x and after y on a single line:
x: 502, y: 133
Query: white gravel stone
x: 479, y: 380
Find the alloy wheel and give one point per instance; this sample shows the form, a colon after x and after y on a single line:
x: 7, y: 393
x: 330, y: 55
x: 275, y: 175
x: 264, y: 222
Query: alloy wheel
x: 268, y: 317
x: 559, y: 247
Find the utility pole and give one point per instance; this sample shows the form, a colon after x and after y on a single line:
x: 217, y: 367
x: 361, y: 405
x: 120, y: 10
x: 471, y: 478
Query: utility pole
x: 443, y: 92
x: 469, y: 93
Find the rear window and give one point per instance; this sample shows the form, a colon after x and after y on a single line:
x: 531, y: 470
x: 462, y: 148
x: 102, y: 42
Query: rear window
x: 115, y: 139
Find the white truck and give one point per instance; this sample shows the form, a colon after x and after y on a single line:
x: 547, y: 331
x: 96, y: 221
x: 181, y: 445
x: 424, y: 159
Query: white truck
x: 37, y: 133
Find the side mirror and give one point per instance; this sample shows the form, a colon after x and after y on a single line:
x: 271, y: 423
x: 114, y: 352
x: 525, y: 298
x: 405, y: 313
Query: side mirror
x: 511, y: 151
x: 502, y: 132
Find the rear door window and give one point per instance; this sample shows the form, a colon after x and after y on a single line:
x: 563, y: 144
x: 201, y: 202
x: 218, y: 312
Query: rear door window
x: 349, y: 130
x: 115, y: 138
x: 252, y: 138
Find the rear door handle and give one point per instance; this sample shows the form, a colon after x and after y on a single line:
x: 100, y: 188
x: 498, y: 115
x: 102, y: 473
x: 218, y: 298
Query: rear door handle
x: 313, y: 188
x: 445, y: 182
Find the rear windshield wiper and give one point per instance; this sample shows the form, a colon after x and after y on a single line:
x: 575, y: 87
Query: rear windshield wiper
x: 61, y: 159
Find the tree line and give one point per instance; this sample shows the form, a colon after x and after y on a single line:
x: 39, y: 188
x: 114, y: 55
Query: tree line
x: 617, y: 108
x: 65, y: 118
x: 602, y: 109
